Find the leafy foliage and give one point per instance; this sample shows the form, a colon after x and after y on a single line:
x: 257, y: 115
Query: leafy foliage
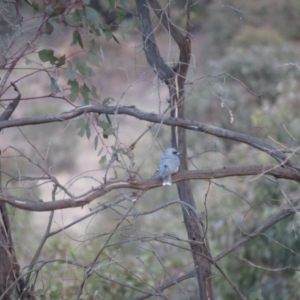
x: 228, y: 17
x: 142, y: 254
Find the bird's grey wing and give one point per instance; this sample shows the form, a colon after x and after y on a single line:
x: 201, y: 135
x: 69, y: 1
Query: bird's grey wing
x: 165, y: 170
x: 174, y: 164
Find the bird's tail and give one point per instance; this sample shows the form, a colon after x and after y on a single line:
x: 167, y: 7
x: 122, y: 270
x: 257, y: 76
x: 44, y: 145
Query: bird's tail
x: 167, y: 180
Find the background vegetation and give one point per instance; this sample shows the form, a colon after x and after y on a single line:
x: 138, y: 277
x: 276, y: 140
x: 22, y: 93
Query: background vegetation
x: 244, y: 76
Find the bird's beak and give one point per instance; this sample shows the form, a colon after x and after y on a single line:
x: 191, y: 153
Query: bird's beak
x: 178, y: 153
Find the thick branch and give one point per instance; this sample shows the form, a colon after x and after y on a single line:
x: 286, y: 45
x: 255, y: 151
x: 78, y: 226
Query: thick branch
x: 10, y: 268
x: 161, y: 14
x: 155, y: 118
x: 181, y: 40
x: 32, y: 205
x: 154, y: 59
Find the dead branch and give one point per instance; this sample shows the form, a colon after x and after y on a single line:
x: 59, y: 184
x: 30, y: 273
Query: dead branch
x: 155, y: 118
x: 12, y: 106
x: 78, y: 201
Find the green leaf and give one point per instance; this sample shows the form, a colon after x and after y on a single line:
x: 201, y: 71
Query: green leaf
x: 85, y: 91
x: 107, y: 118
x: 98, y: 31
x: 93, y: 59
x: 92, y: 16
x: 70, y: 74
x: 256, y: 295
x: 108, y: 131
x: 80, y: 123
x: 55, y: 86
x: 100, y: 151
x: 77, y: 39
x: 48, y: 9
x: 125, y: 4
x: 57, y: 11
x: 33, y: 4
x: 83, y: 69
x: 88, y: 129
x: 75, y: 19
x: 94, y: 92
x: 104, y: 125
x: 96, y: 142
x: 123, y: 151
x: 74, y: 89
x: 108, y: 35
x: 81, y: 132
x: 54, y: 295
x: 115, y: 38
x: 102, y: 160
x: 112, y: 4
x: 120, y: 16
x: 48, y: 28
x: 108, y: 100
x: 92, y: 46
x: 61, y: 61
x: 47, y: 55
x: 85, y: 24
x: 55, y: 25
x: 114, y: 157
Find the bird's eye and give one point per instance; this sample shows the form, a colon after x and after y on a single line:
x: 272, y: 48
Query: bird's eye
x: 174, y: 152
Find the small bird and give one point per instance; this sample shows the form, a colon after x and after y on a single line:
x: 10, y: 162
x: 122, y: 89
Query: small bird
x: 169, y: 165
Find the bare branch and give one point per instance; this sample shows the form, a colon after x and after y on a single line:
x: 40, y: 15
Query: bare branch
x: 182, y: 41
x: 12, y: 106
x: 167, y: 285
x: 43, y: 241
x: 269, y: 223
x: 288, y: 268
x: 234, y: 287
x: 32, y: 205
x: 155, y: 118
x: 164, y: 72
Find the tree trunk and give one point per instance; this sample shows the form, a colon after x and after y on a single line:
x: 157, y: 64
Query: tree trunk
x: 10, y: 287
x: 175, y: 80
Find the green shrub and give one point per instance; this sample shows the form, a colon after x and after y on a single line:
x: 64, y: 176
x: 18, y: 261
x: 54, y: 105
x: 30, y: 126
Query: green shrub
x: 226, y: 18
x: 249, y: 36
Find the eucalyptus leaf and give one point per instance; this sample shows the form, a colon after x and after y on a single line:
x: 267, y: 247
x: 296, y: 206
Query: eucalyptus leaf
x: 102, y: 160
x: 70, y: 74
x: 74, y: 89
x: 77, y: 39
x: 85, y: 91
x: 92, y: 16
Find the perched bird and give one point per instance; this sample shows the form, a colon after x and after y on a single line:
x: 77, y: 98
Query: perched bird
x: 169, y: 165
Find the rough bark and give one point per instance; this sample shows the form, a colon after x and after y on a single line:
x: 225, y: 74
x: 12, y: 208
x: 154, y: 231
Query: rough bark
x: 11, y: 284
x: 195, y: 230
x: 10, y: 288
